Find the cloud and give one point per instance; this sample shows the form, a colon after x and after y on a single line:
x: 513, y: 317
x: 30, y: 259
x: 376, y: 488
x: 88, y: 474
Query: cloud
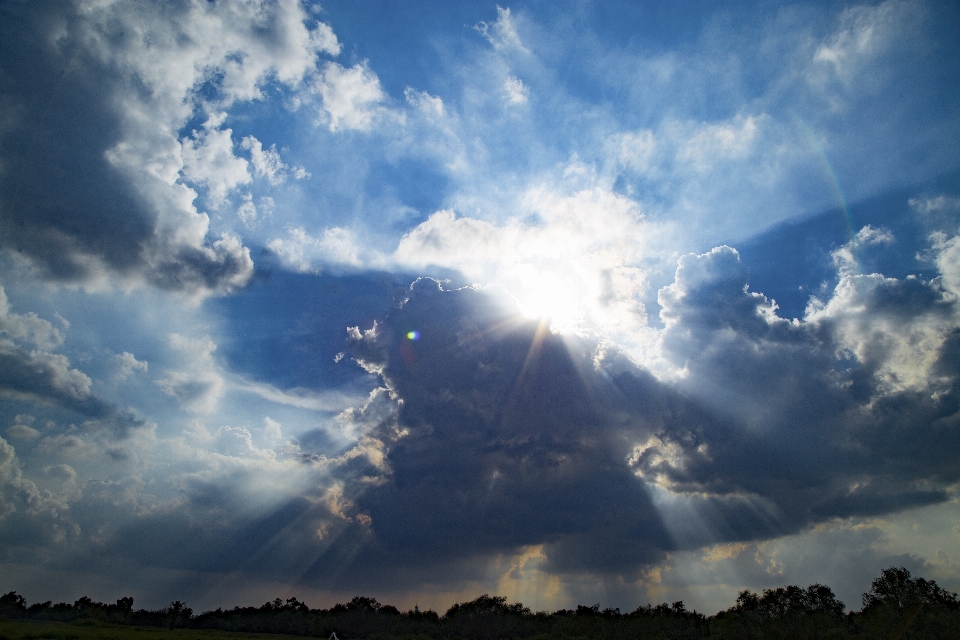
x: 267, y: 163
x: 42, y: 375
x: 30, y: 510
x: 935, y: 204
x: 499, y: 434
x: 22, y: 432
x: 895, y: 329
x: 37, y: 374
x: 847, y: 257
x: 208, y: 160
x: 432, y: 106
x: 126, y: 80
x: 515, y: 91
x: 866, y: 33
x: 872, y: 362
x: 46, y: 378
x: 304, y: 252
x: 301, y: 398
x: 577, y: 259
x: 756, y: 428
x: 199, y: 387
x: 29, y: 327
x: 16, y: 492
x: 634, y: 149
x: 350, y: 96
x: 272, y: 428
x: 719, y: 141
x: 126, y: 364
x: 234, y: 441
x: 502, y: 33
x: 948, y: 262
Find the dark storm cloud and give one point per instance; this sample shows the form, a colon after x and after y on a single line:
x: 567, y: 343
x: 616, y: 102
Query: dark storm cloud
x: 506, y: 438
x: 68, y: 199
x: 819, y: 416
x: 507, y: 435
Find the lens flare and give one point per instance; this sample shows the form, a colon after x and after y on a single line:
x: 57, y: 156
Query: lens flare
x: 413, y: 335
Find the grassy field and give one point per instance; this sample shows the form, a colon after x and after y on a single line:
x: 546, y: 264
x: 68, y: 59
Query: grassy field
x: 94, y: 630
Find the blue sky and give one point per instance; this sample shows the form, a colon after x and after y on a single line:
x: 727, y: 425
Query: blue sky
x: 571, y: 302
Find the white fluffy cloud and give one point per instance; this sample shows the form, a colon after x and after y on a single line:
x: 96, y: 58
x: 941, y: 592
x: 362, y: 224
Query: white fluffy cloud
x: 208, y: 159
x: 267, y: 163
x: 351, y: 96
x: 847, y: 257
x: 154, y: 71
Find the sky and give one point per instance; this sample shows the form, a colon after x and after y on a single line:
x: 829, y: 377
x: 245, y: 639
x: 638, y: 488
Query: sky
x: 568, y: 301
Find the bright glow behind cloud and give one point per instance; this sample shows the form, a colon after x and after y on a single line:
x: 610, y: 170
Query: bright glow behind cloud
x: 575, y: 260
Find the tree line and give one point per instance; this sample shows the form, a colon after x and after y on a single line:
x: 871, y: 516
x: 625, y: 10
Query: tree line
x: 897, y: 605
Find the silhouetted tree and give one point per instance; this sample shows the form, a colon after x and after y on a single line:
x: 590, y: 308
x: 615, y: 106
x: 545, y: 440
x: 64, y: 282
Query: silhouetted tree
x: 13, y: 605
x: 897, y: 589
x: 179, y: 614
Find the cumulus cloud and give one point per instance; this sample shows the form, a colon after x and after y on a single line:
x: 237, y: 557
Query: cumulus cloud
x: 127, y: 79
x: 495, y: 440
x: 499, y: 433
x: 267, y: 163
x: 847, y: 257
x: 49, y: 379
x: 350, y: 96
x: 28, y: 327
x: 41, y: 375
x: 948, y: 262
x: 208, y: 160
x: 824, y: 395
x: 753, y: 428
x: 252, y: 214
x: 22, y: 428
x: 29, y: 509
x: 37, y: 374
x: 127, y: 364
x: 15, y: 491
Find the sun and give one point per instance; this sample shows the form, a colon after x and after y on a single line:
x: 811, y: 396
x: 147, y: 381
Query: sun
x: 555, y: 295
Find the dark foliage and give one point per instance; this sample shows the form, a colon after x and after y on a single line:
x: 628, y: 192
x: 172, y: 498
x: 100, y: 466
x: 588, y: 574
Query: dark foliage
x: 910, y: 607
x: 177, y: 614
x: 896, y: 606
